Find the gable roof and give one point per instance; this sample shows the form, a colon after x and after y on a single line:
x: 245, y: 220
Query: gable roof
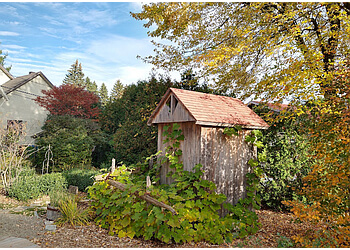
x: 17, y: 82
x: 213, y: 110
x: 3, y: 69
x: 277, y: 107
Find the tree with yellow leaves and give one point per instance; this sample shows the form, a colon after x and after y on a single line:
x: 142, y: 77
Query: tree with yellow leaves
x: 266, y: 49
x: 327, y: 186
x: 275, y: 51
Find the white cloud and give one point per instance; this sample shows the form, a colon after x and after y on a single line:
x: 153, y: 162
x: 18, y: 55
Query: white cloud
x: 136, y: 6
x: 13, y: 46
x: 8, y: 33
x: 105, y: 57
x: 119, y: 49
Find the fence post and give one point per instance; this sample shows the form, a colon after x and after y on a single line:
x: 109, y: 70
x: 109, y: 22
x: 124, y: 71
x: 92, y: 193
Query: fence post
x: 113, y: 165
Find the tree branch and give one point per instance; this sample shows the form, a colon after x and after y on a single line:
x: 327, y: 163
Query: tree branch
x: 145, y: 197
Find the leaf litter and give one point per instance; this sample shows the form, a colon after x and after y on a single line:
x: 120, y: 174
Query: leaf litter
x: 274, y: 225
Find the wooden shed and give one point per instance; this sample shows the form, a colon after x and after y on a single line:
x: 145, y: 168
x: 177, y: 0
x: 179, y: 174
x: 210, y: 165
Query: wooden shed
x: 202, y: 118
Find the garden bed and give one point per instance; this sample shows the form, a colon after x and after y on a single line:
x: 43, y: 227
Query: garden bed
x: 275, y: 228
x: 275, y: 231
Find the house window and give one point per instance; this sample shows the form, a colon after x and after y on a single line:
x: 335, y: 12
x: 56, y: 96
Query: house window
x: 16, y: 126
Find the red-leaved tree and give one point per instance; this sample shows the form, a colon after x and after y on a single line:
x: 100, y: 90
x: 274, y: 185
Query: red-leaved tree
x: 70, y: 100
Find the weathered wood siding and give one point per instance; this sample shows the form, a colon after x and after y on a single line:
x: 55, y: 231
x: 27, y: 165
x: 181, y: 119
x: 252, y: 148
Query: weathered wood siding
x: 225, y: 161
x: 191, y: 148
x: 224, y: 158
x: 173, y: 112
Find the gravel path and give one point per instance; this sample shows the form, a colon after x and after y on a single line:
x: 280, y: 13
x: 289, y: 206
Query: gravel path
x: 22, y: 226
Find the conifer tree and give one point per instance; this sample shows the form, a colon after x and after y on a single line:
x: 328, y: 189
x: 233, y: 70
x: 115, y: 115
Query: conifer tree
x: 75, y: 75
x: 103, y: 93
x: 91, y: 86
x: 118, y: 90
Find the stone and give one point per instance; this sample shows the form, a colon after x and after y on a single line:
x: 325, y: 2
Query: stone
x: 73, y: 189
x: 14, y: 242
x: 50, y: 226
x: 52, y: 213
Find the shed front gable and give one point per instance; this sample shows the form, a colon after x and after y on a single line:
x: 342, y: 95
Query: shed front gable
x: 171, y: 110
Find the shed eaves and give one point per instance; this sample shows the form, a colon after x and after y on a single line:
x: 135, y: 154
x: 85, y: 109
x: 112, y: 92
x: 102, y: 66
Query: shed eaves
x: 219, y: 110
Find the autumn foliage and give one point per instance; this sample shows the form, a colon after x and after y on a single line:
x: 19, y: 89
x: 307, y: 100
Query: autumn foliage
x: 72, y: 100
x: 327, y: 186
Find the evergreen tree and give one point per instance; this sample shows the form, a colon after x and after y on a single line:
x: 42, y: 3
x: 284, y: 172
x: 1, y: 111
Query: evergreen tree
x: 125, y: 119
x: 91, y: 86
x: 118, y: 90
x: 75, y: 75
x: 103, y: 94
x: 189, y: 81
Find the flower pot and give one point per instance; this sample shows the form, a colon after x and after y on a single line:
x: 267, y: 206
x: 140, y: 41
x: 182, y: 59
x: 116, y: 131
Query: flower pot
x: 53, y: 213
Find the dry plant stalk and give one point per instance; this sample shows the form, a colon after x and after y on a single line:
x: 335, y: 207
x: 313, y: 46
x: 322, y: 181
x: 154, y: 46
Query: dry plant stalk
x: 13, y: 155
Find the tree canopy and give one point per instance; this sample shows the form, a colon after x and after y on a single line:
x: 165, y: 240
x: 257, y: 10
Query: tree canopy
x: 91, y: 86
x: 276, y: 51
x: 70, y: 100
x: 103, y: 94
x: 118, y: 90
x: 126, y: 119
x: 75, y: 75
x: 272, y: 50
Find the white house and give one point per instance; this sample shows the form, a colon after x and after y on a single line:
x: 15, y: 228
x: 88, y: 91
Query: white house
x: 17, y: 105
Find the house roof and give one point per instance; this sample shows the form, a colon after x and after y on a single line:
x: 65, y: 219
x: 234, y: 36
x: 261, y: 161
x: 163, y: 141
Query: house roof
x: 6, y: 72
x: 17, y: 82
x: 214, y: 110
x: 277, y: 107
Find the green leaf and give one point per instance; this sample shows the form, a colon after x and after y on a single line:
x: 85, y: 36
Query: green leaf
x: 253, y: 163
x: 125, y: 222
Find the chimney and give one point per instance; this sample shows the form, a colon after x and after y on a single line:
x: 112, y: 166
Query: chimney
x: 30, y: 72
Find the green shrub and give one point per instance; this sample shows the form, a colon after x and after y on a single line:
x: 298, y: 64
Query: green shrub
x: 53, y: 181
x: 30, y: 185
x: 82, y: 178
x: 287, y: 160
x: 195, y: 201
x: 72, y: 141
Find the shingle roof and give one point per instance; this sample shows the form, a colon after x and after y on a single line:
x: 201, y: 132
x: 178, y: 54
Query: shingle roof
x: 217, y: 110
x: 278, y: 107
x: 17, y: 82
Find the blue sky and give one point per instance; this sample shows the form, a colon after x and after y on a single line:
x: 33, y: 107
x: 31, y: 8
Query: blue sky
x: 50, y: 36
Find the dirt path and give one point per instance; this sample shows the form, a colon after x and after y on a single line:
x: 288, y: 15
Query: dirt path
x: 22, y: 226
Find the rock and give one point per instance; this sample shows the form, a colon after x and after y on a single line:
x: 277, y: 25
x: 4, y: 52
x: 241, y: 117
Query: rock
x: 52, y: 213
x: 50, y: 226
x: 73, y: 189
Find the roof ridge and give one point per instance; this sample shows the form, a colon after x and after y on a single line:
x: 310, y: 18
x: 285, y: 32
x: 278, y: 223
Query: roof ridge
x: 203, y: 93
x: 211, y: 109
x: 17, y: 82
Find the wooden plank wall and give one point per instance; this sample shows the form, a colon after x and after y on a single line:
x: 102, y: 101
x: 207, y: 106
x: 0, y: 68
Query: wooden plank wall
x: 172, y: 113
x: 225, y: 161
x: 190, y: 148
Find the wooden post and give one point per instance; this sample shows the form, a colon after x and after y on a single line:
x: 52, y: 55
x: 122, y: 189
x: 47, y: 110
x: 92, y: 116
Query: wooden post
x: 148, y: 181
x: 113, y: 165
